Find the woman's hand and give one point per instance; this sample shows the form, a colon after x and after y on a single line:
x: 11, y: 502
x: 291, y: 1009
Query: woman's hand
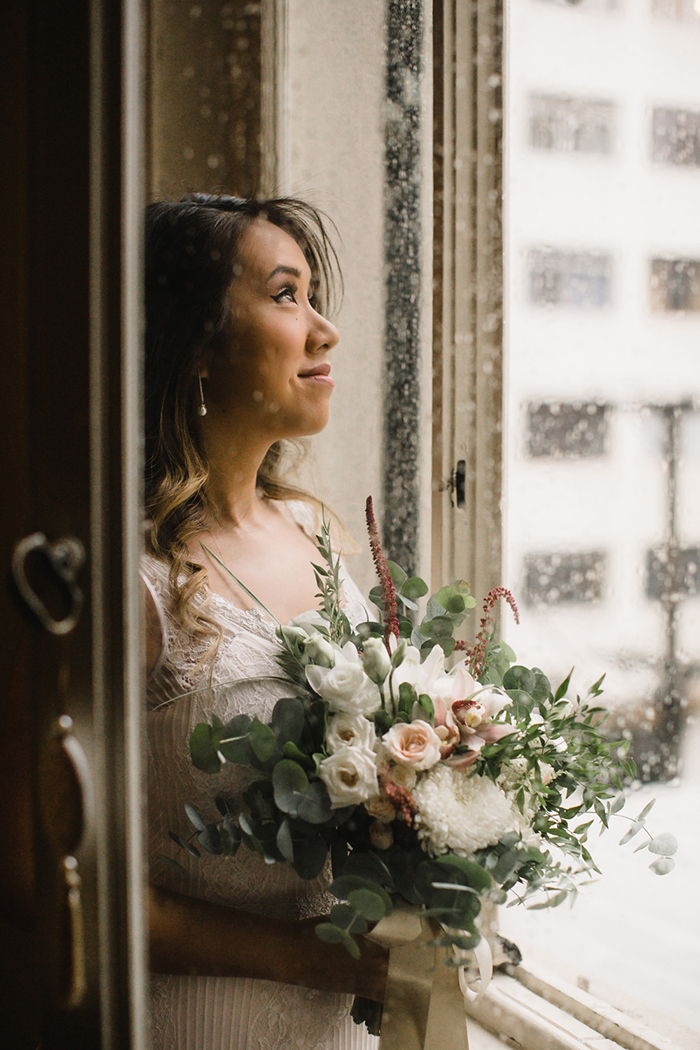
x: 190, y: 936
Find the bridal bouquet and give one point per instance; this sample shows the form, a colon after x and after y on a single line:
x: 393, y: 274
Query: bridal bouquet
x: 435, y: 774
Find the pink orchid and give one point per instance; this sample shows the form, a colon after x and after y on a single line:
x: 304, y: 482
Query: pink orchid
x: 466, y: 717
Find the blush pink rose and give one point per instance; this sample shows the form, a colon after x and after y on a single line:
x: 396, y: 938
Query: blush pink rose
x: 414, y: 744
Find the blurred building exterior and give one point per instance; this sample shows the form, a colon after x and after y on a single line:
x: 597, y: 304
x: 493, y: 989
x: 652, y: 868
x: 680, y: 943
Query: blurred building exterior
x: 603, y: 388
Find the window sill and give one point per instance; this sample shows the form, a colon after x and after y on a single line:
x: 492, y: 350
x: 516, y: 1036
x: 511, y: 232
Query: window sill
x: 532, y: 1011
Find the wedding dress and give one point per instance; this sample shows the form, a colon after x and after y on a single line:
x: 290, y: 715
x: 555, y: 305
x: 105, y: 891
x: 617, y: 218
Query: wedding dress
x: 222, y: 1013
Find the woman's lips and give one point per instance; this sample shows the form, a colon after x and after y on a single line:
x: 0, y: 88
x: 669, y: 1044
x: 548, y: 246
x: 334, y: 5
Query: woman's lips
x: 320, y: 374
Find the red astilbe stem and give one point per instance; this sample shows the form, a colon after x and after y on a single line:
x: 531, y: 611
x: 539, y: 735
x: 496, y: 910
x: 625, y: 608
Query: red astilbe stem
x: 476, y: 653
x: 391, y: 620
x: 401, y: 799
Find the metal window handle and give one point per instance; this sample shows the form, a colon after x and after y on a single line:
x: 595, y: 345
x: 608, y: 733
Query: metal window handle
x: 65, y: 558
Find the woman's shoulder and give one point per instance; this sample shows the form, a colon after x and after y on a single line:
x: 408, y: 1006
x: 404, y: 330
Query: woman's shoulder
x: 306, y: 514
x: 155, y: 572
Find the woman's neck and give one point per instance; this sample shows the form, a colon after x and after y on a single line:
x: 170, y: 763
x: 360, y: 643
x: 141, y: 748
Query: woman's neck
x: 232, y: 487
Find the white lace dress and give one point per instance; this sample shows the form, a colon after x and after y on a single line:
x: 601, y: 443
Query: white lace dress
x: 221, y: 1013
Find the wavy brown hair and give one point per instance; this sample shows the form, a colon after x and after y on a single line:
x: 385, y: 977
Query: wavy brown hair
x: 192, y: 248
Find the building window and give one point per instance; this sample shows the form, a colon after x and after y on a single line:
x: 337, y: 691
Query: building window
x: 596, y: 5
x: 560, y: 278
x: 676, y: 137
x: 678, y: 10
x: 573, y: 125
x: 559, y: 578
x: 673, y: 573
x: 675, y: 285
x: 560, y: 430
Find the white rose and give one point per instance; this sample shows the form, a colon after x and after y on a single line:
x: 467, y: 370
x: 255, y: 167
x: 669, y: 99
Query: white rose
x: 346, y: 730
x: 346, y: 687
x: 350, y: 776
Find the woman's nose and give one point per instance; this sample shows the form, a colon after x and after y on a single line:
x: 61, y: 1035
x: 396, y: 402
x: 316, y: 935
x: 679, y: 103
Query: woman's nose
x: 325, y: 335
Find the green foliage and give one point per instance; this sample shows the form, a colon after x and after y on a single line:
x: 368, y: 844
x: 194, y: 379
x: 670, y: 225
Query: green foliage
x: 328, y: 582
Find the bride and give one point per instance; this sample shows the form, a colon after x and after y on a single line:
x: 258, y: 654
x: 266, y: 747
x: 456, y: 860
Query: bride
x: 237, y: 362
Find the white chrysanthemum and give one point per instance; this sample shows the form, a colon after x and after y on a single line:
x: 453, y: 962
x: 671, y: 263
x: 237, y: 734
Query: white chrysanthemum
x: 459, y: 812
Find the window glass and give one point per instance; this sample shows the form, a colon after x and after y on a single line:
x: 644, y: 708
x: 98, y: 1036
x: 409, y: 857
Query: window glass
x: 571, y: 124
x: 602, y: 466
x: 676, y: 136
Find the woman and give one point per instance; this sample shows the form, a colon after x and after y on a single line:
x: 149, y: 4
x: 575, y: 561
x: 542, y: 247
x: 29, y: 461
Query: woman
x: 237, y: 363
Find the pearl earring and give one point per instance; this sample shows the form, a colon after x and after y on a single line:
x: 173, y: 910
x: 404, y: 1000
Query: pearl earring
x: 202, y: 406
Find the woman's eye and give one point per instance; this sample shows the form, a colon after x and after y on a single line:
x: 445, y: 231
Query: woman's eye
x: 288, y: 293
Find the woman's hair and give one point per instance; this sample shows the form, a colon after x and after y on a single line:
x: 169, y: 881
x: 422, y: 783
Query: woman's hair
x: 192, y: 251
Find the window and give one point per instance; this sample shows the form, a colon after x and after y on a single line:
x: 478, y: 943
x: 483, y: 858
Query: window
x: 675, y: 285
x: 561, y: 278
x: 554, y: 579
x: 673, y: 574
x: 573, y: 125
x: 678, y: 10
x: 602, y: 521
x: 676, y: 137
x: 566, y: 430
x: 595, y: 5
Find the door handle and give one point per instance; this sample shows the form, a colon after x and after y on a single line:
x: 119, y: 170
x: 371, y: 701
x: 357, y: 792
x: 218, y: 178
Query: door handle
x: 65, y: 803
x: 65, y: 557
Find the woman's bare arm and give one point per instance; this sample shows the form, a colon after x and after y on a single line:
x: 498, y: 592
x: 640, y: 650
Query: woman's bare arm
x: 190, y: 936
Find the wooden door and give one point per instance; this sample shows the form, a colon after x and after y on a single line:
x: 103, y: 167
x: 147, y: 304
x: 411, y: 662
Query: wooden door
x: 72, y: 932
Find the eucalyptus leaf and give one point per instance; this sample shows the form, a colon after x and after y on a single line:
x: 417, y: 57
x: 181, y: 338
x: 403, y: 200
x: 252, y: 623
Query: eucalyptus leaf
x: 290, y: 750
x: 194, y: 817
x: 235, y: 745
x: 370, y: 905
x: 633, y: 829
x: 203, y: 750
x: 344, y: 885
x: 662, y: 866
x: 665, y: 844
x: 222, y: 804
x: 315, y: 805
x: 173, y: 864
x: 521, y: 678
x: 618, y: 804
x: 210, y: 839
x: 438, y: 627
x: 345, y: 916
x: 290, y: 782
x: 310, y: 857
x: 647, y: 809
x: 262, y: 740
x: 288, y: 719
x: 330, y: 934
x: 414, y: 588
x: 397, y: 574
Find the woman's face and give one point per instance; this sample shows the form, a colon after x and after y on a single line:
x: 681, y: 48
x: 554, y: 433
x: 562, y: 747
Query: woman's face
x: 273, y: 378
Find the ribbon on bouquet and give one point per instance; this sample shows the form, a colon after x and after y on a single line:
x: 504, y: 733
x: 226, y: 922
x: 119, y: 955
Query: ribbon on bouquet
x: 424, y: 1004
